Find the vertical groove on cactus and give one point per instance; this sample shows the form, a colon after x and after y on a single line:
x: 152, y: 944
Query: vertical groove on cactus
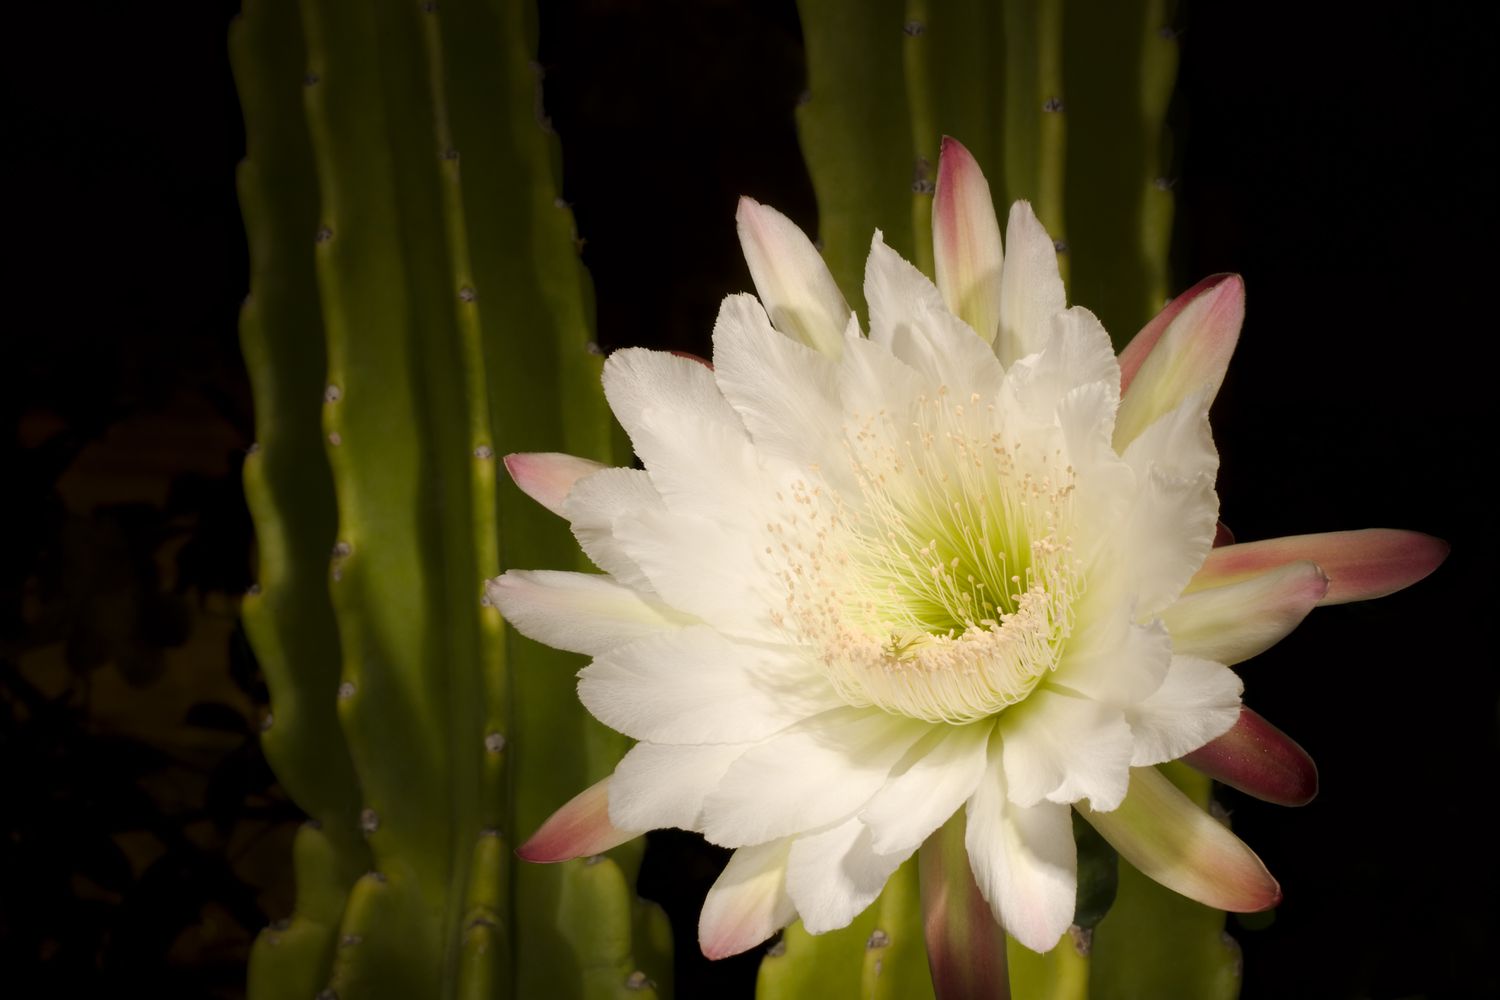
x: 445, y: 283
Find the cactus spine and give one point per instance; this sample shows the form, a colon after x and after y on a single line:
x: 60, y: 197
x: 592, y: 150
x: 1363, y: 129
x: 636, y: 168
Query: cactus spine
x: 1062, y: 112
x: 417, y: 310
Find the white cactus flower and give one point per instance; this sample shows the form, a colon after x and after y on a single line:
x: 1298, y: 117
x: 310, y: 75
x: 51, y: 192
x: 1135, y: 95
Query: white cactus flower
x: 964, y: 562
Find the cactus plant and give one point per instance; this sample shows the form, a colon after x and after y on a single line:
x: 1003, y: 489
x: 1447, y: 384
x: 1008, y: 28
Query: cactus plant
x: 1075, y: 121
x: 417, y: 309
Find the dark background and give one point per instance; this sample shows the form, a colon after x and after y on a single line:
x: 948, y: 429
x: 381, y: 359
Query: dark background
x: 1338, y: 158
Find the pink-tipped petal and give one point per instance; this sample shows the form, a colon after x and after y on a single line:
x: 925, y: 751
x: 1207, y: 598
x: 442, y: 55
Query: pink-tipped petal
x: 1164, y: 834
x: 749, y: 901
x: 965, y: 946
x: 587, y: 613
x: 579, y: 829
x: 1361, y: 565
x: 1235, y: 621
x: 694, y: 357
x: 1222, y: 535
x: 966, y: 241
x: 791, y: 279
x: 547, y: 477
x: 1259, y: 760
x: 1180, y: 356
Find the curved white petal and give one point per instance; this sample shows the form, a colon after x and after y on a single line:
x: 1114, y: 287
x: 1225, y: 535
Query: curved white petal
x: 907, y: 316
x: 1114, y: 660
x: 596, y: 504
x: 748, y: 903
x: 807, y: 777
x: 1024, y: 859
x: 696, y: 686
x: 1198, y: 701
x: 834, y: 874
x: 1234, y: 622
x: 1063, y: 748
x: 1164, y: 539
x: 1075, y: 351
x: 580, y: 612
x: 658, y: 785
x: 638, y: 381
x: 791, y: 279
x: 1179, y: 442
x: 786, y: 393
x: 1031, y: 289
x: 944, y: 769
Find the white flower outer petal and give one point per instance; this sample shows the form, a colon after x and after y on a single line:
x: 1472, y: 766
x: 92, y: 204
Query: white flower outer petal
x: 656, y: 786
x: 945, y: 768
x: 807, y: 777
x: 1063, y: 748
x: 1234, y: 622
x: 580, y: 612
x: 791, y: 278
x: 834, y: 874
x: 1031, y: 288
x: 1198, y: 701
x: 696, y: 686
x: 1024, y: 859
x: 748, y: 903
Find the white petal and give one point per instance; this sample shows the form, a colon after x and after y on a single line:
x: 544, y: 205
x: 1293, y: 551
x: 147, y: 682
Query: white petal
x: 907, y: 315
x: 657, y: 786
x: 1031, y: 289
x: 1232, y: 623
x: 718, y: 573
x: 1179, y: 442
x: 1064, y: 748
x: 833, y: 875
x: 786, y: 393
x: 1199, y: 701
x: 1114, y: 660
x: 791, y: 279
x: 821, y: 771
x: 748, y: 903
x: 580, y: 612
x: 1024, y: 860
x: 695, y: 686
x: 1164, y: 539
x: 637, y: 381
x: 942, y: 773
x: 596, y: 504
x: 1075, y: 351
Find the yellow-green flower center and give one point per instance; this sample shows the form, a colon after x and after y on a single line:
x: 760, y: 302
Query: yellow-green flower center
x: 942, y: 589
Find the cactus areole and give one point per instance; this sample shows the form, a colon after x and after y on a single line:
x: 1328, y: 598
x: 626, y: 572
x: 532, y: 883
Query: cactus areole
x: 965, y: 561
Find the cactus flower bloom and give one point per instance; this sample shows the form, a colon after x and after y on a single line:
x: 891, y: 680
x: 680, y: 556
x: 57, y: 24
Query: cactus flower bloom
x: 964, y: 562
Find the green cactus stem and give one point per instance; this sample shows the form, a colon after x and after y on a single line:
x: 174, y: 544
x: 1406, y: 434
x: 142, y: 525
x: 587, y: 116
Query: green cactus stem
x: 417, y: 311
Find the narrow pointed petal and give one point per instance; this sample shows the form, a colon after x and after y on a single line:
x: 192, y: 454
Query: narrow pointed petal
x: 1031, y: 289
x: 579, y: 829
x: 1236, y: 621
x: 966, y: 241
x: 581, y: 612
x: 1259, y: 760
x: 1024, y: 859
x: 1164, y: 834
x: 1141, y: 344
x: 1191, y: 352
x: 1361, y: 565
x: 791, y: 279
x: 547, y: 477
x: 1223, y: 536
x: 748, y: 903
x: 965, y: 946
